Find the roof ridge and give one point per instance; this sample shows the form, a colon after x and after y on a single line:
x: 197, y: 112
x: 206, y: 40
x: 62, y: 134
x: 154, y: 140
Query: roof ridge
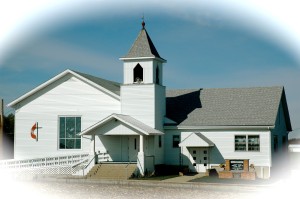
x: 107, y: 84
x: 195, y: 89
x: 85, y: 74
x: 250, y: 87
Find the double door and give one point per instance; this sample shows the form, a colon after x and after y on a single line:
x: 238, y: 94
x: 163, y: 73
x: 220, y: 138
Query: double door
x: 199, y: 158
x: 129, y: 148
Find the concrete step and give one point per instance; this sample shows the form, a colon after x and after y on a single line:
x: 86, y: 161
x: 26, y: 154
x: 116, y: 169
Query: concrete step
x: 112, y: 171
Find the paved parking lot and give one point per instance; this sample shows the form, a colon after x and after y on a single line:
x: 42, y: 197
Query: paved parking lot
x: 175, y: 188
x: 96, y: 190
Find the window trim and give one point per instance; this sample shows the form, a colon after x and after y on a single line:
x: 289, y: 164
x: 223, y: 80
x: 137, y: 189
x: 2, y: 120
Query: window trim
x: 58, y: 133
x: 258, y: 143
x: 247, y: 143
x: 246, y: 148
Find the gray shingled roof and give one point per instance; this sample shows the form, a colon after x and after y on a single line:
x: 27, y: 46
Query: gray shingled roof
x: 225, y: 106
x: 138, y: 124
x: 134, y: 123
x: 196, y: 140
x: 218, y: 106
x: 143, y: 47
x: 109, y: 85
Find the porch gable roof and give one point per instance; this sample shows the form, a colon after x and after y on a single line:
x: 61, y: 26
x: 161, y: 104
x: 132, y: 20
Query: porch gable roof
x: 125, y: 119
x: 196, y: 140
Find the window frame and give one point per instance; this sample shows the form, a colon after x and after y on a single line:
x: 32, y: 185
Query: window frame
x: 235, y: 147
x: 75, y: 138
x: 247, y: 143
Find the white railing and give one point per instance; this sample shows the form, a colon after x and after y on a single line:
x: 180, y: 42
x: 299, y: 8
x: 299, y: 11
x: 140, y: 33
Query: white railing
x: 96, y: 159
x: 56, y: 161
x: 102, y: 157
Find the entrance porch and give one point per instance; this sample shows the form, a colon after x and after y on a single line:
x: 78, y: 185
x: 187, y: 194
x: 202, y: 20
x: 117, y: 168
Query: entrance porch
x: 195, y: 152
x: 121, y: 138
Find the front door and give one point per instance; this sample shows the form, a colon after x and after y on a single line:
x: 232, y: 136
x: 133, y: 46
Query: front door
x: 199, y: 158
x: 133, y: 148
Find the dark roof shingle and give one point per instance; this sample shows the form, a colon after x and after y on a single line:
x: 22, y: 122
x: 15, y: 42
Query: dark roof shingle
x: 224, y: 106
x: 109, y: 85
x: 142, y: 47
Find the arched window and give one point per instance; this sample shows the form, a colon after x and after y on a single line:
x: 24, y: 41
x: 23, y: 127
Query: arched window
x: 157, y: 75
x: 138, y: 74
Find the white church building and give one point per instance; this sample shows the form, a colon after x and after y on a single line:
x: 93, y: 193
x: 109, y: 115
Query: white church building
x: 141, y: 121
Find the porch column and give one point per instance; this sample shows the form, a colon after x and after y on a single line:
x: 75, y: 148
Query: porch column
x: 141, y: 157
x: 93, y: 148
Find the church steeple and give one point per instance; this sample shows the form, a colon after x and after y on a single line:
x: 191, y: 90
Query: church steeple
x: 143, y: 64
x: 143, y: 47
x: 143, y: 95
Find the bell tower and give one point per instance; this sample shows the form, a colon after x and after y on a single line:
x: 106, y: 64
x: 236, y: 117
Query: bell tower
x: 142, y: 92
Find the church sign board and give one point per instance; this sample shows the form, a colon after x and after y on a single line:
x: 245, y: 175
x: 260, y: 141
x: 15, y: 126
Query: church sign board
x: 236, y: 165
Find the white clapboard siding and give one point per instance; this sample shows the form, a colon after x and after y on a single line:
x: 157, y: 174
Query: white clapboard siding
x: 224, y: 147
x: 160, y: 106
x: 171, y: 155
x: 145, y: 102
x: 138, y: 102
x: 68, y: 96
x: 149, y: 70
x: 115, y: 128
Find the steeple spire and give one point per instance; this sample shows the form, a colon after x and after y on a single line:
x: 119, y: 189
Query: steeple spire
x: 143, y: 22
x: 143, y: 46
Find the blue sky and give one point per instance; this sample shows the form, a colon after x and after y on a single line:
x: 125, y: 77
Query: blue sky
x: 206, y: 44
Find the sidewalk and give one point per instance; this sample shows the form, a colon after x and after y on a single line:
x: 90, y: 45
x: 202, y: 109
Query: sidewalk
x: 184, y: 178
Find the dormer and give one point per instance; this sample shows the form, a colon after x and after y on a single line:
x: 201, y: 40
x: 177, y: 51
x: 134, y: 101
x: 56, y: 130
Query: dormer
x: 143, y: 64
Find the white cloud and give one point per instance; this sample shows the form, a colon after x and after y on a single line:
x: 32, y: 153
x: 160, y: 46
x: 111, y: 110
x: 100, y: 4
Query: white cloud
x: 277, y: 20
x: 17, y: 19
x: 273, y: 19
x: 74, y: 55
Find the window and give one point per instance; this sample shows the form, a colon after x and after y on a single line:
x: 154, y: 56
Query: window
x: 69, y: 127
x: 247, y: 143
x: 240, y: 142
x: 138, y: 74
x: 275, y: 143
x: 159, y: 141
x: 253, y: 143
x: 284, y: 144
x: 135, y: 143
x: 175, y: 141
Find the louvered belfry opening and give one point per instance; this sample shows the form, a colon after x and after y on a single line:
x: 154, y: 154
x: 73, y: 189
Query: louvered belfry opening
x: 157, y: 75
x: 138, y: 74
